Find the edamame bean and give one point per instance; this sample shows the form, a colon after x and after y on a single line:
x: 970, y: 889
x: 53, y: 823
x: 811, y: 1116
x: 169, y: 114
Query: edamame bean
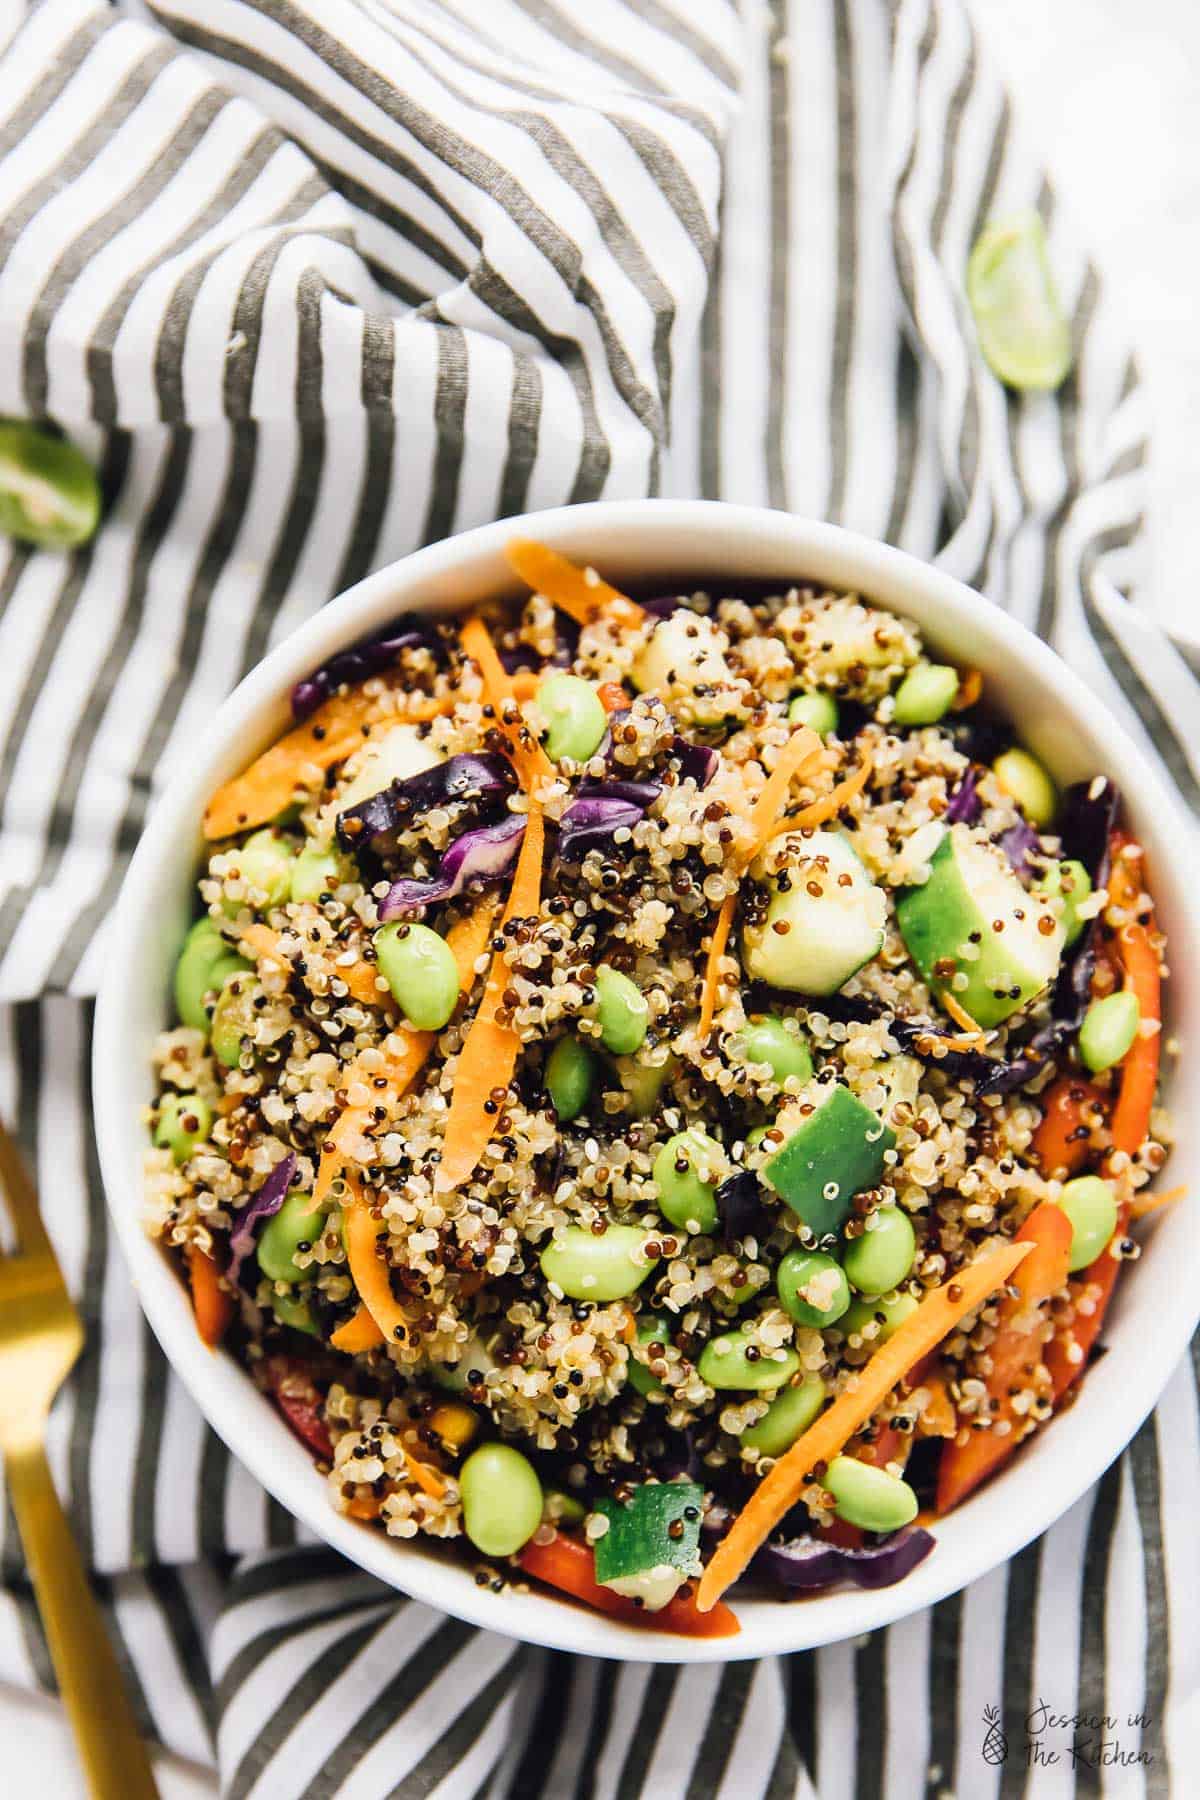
x: 686, y: 1172
x: 570, y: 1075
x: 294, y: 1224
x: 184, y: 1120
x: 926, y: 694
x: 878, y: 1261
x: 818, y: 711
x: 651, y: 1329
x: 888, y: 1315
x: 1091, y: 1206
x: 1108, y: 1030
x: 420, y: 969
x: 1071, y: 880
x: 264, y: 866
x: 575, y: 717
x: 233, y: 1017
x: 316, y: 871
x: 806, y: 1277
x: 563, y: 1509
x: 622, y: 1011
x: 867, y: 1496
x: 49, y: 491
x: 1025, y: 780
x: 587, y: 1267
x: 1023, y: 331
x: 294, y: 1310
x: 768, y: 1040
x: 644, y: 1082
x: 787, y: 1417
x: 501, y: 1499
x: 735, y: 1361
x: 205, y: 964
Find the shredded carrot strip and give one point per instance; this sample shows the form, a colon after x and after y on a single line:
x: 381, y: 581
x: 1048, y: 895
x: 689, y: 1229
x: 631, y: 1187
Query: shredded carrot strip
x: 829, y: 804
x: 950, y: 1003
x: 525, y: 684
x: 612, y: 696
x: 296, y: 762
x: 970, y: 687
x: 1145, y: 1204
x: 357, y: 1334
x: 212, y: 1301
x: 466, y: 941
x: 359, y: 977
x: 490, y: 1049
x: 371, y: 1275
x: 712, y: 967
x: 800, y: 749
x: 579, y: 593
x: 427, y: 1479
x: 528, y: 758
x: 935, y: 1317
x: 368, y: 1507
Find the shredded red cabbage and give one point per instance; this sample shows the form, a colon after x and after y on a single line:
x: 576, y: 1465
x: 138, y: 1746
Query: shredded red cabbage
x: 637, y: 793
x: 268, y: 1200
x: 480, y: 778
x: 965, y: 805
x: 480, y: 856
x: 369, y: 657
x: 1019, y: 843
x: 589, y: 825
x: 600, y: 809
x: 740, y: 1208
x: 809, y: 1565
x: 696, y: 761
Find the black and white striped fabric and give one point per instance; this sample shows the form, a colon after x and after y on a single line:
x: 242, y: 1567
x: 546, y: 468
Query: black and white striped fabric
x: 317, y: 281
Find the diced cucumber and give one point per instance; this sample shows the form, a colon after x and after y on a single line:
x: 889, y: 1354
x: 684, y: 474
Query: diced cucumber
x: 394, y: 756
x: 834, y: 917
x: 684, y: 658
x: 836, y: 1153
x: 653, y: 1533
x: 842, y: 639
x: 973, y: 918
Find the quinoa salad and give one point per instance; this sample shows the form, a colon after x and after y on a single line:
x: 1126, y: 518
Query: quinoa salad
x: 664, y: 1089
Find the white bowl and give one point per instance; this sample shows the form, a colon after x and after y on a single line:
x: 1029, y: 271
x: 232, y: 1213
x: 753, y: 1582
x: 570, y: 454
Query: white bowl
x: 1156, y: 1308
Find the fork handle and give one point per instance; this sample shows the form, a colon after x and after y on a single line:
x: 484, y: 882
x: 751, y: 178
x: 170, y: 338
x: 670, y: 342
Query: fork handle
x: 115, y: 1759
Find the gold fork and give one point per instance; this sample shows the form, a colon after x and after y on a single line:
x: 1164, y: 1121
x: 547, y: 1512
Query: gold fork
x: 40, y: 1338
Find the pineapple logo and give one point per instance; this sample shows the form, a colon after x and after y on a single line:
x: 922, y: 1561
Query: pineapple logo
x: 995, y: 1744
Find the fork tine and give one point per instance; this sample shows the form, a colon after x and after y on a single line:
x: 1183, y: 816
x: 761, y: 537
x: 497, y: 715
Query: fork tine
x: 18, y: 1190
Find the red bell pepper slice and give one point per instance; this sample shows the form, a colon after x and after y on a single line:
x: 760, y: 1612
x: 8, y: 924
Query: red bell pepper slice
x: 568, y: 1565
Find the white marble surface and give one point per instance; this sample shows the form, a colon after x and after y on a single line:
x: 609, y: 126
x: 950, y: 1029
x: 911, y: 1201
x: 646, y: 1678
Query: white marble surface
x: 1112, y: 91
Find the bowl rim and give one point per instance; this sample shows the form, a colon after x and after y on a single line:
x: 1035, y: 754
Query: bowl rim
x: 245, y: 1420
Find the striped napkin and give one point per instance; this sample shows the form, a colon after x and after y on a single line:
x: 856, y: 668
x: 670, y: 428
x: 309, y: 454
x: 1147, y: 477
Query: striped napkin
x: 317, y: 281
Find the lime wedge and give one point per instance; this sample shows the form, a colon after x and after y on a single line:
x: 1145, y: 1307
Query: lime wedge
x: 1023, y: 331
